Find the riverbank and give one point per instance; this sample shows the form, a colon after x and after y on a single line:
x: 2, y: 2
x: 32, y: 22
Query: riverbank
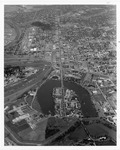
x: 45, y: 99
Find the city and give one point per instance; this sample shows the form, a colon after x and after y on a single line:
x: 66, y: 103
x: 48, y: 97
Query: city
x: 60, y: 75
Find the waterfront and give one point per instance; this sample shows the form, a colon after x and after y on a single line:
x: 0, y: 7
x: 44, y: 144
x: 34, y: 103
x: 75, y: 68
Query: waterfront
x: 45, y: 99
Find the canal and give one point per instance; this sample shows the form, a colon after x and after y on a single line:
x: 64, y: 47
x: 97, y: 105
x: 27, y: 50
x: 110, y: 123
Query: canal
x: 45, y: 99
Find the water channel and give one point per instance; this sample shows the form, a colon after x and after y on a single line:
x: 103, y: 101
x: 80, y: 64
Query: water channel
x: 45, y: 99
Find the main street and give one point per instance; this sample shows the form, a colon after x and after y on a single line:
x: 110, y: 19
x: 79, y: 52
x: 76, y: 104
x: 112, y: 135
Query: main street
x: 61, y: 69
x: 62, y: 86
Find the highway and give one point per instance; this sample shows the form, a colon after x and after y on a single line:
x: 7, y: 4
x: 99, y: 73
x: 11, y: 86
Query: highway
x: 37, y: 80
x: 11, y: 132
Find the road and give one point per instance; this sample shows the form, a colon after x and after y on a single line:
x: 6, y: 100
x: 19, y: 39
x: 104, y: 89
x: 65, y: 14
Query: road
x: 52, y: 138
x: 18, y: 141
x: 105, y: 97
x: 17, y: 30
x: 87, y: 132
x: 62, y: 86
x: 16, y: 94
x: 47, y: 141
x: 61, y: 69
x: 15, y: 138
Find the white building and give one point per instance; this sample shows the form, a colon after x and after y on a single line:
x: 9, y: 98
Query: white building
x: 18, y: 119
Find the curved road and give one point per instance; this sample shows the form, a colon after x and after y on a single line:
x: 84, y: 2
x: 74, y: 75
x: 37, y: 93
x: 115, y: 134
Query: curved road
x: 17, y: 30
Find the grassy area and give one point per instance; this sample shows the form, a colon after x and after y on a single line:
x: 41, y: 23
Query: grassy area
x: 29, y: 99
x: 99, y: 98
x: 78, y: 134
x: 35, y: 105
x: 37, y: 134
x: 96, y: 130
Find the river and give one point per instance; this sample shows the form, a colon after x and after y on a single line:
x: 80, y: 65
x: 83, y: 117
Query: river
x: 45, y: 99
